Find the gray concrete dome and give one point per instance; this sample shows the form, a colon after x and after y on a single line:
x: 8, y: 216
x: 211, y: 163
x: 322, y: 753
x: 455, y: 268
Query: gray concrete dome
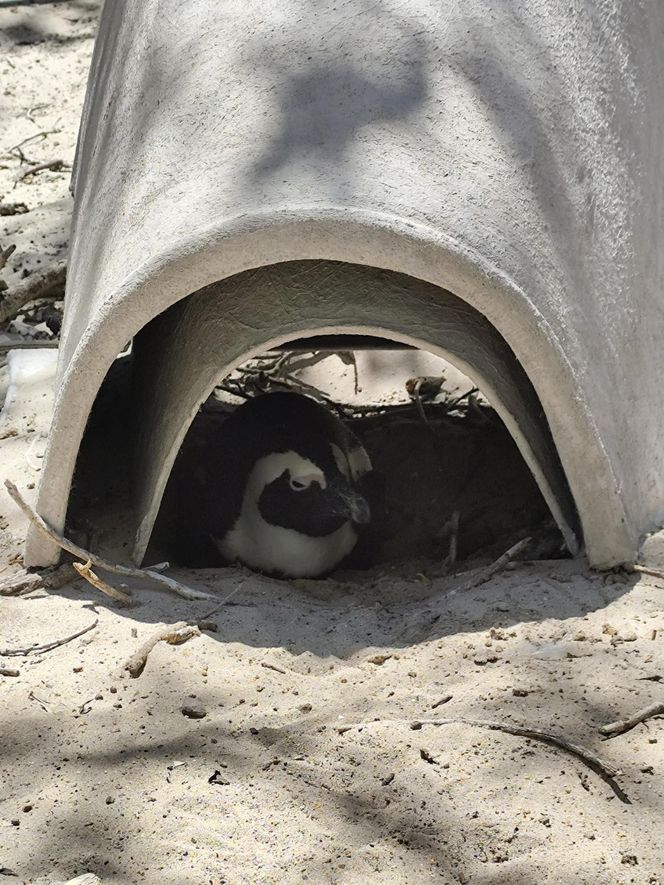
x: 483, y: 179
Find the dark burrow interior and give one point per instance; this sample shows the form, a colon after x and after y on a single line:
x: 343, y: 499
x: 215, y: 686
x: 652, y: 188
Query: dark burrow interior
x: 452, y: 480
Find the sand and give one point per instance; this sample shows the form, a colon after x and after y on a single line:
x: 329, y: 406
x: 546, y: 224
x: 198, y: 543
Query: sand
x: 103, y: 773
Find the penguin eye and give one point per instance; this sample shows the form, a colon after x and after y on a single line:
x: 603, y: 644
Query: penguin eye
x: 305, y: 481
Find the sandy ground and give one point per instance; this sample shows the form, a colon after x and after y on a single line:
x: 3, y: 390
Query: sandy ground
x: 104, y: 773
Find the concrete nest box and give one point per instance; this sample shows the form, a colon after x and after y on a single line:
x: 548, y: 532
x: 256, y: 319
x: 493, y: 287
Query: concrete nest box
x: 480, y: 179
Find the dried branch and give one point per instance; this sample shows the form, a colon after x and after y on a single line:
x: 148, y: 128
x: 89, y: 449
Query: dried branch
x: 5, y: 254
x: 453, y: 524
x: 606, y: 769
x: 21, y: 583
x: 30, y: 344
x: 47, y: 646
x: 274, y: 667
x: 176, y: 634
x: 86, y: 572
x: 50, y: 165
x: 623, y: 725
x: 80, y: 553
x: 13, y: 209
x: 488, y: 572
x: 49, y: 579
x: 646, y: 570
x: 16, y: 153
x: 47, y: 283
x: 220, y: 605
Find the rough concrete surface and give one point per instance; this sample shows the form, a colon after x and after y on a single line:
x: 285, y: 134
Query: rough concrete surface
x: 506, y: 152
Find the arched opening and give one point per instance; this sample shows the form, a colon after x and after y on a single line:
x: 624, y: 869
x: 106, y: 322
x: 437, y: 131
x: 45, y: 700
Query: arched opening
x: 447, y: 482
x: 182, y: 356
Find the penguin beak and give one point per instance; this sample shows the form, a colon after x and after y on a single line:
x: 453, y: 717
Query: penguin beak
x: 354, y: 504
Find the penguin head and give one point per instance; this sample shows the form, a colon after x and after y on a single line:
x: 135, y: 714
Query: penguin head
x: 311, y: 498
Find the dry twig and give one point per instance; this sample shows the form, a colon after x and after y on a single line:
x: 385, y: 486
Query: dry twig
x: 418, y: 401
x: 47, y: 646
x: 176, y: 634
x: 623, y: 725
x: 124, y: 570
x: 47, y: 283
x: 220, y: 605
x: 272, y: 667
x: 42, y: 703
x: 604, y: 768
x: 488, y: 572
x: 49, y: 579
x: 13, y: 209
x: 50, y: 165
x: 454, y: 539
x: 646, y: 570
x: 5, y: 254
x: 29, y: 344
x: 16, y: 153
x: 85, y: 571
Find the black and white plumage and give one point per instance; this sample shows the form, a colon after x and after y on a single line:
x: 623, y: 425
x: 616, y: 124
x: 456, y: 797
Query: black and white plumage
x: 283, y: 487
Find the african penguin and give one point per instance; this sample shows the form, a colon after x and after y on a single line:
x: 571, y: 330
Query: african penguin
x: 283, y: 494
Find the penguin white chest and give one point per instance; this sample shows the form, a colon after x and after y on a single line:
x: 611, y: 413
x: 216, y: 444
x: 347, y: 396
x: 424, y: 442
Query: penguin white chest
x: 275, y: 549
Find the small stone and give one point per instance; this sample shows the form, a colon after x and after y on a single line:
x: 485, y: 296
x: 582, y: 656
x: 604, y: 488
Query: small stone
x: 629, y: 860
x: 27, y: 808
x: 217, y: 779
x: 113, y: 689
x: 16, y: 822
x: 483, y: 660
x: 193, y: 709
x: 9, y: 671
x: 426, y: 755
x: 110, y: 800
x: 78, y: 669
x: 305, y: 708
x: 519, y: 692
x: 630, y: 636
x: 379, y: 660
